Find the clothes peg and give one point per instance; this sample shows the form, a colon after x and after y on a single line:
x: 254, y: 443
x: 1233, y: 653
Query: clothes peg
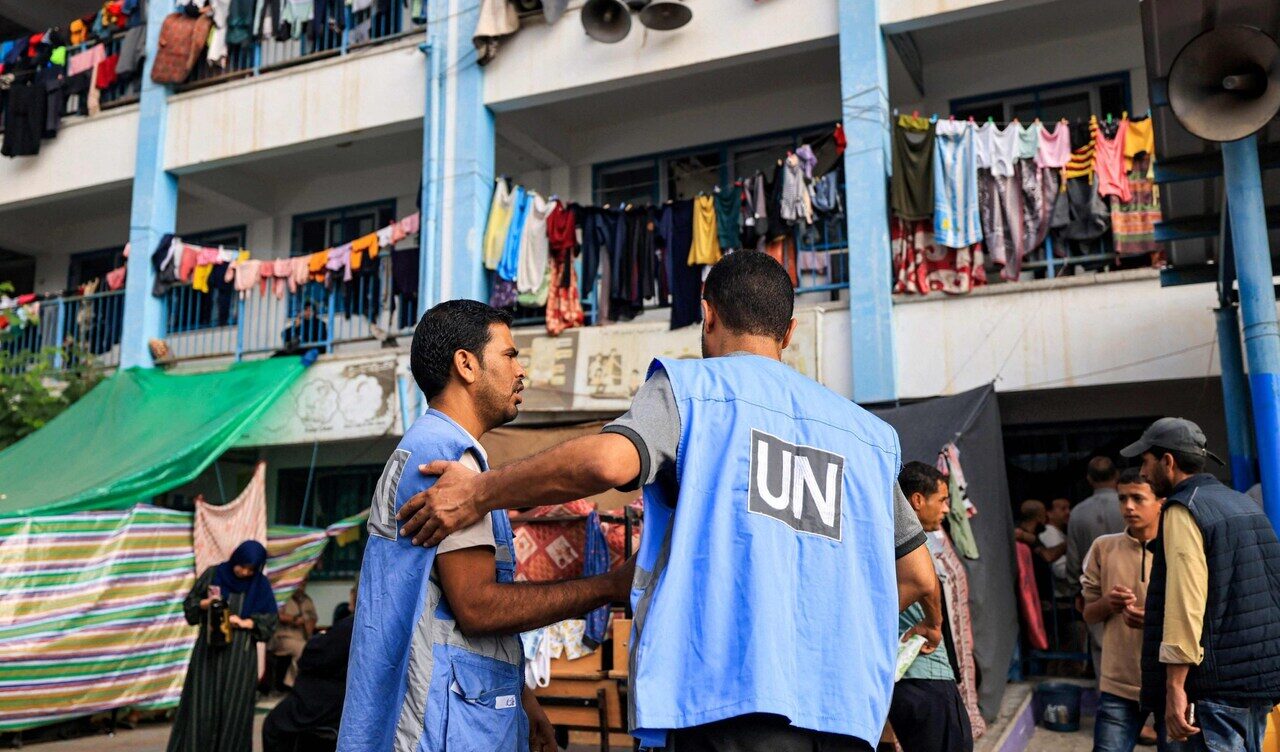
x: 1124, y: 115
x: 915, y: 113
x: 971, y: 119
x: 1108, y: 118
x: 990, y: 119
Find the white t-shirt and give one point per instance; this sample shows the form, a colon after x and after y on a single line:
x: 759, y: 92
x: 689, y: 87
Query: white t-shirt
x: 479, y: 534
x: 1051, y: 537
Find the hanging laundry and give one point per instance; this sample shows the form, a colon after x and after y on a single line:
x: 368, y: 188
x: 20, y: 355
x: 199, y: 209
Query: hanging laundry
x: 1055, y: 146
x: 404, y: 284
x: 165, y: 262
x: 1080, y: 218
x: 340, y: 261
x: 115, y: 278
x: 564, y: 306
x: 783, y: 250
x: 509, y: 264
x: 1139, y: 139
x: 1028, y: 140
x: 804, y: 153
x: 200, y: 277
x: 247, y: 274
x: 1133, y: 222
x: 796, y: 205
x: 955, y: 593
x: 534, y: 249
x: 410, y: 224
x: 503, y: 294
x: 1002, y: 207
x: 755, y: 211
x: 921, y: 267
x: 728, y: 215
x: 1004, y: 149
x: 595, y: 561
x: 496, y: 228
x: 705, y: 248
x: 983, y: 135
x: 187, y: 265
x: 1040, y: 192
x: 1082, y: 149
x: 956, y: 220
x: 961, y: 507
x: 365, y: 245
x: 1108, y: 161
x: 219, y: 529
x: 911, y: 185
x: 562, y: 229
x: 496, y: 19
x: 675, y: 236
x: 777, y: 226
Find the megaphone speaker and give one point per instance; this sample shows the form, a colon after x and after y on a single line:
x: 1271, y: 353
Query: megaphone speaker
x: 1225, y: 84
x: 665, y: 15
x: 606, y: 21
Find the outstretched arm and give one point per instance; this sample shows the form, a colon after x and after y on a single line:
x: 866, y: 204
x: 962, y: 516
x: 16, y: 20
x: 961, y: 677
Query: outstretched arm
x: 483, y: 606
x: 573, y: 470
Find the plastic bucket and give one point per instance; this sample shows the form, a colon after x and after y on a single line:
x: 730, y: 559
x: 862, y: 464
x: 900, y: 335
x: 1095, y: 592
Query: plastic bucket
x: 1059, y: 706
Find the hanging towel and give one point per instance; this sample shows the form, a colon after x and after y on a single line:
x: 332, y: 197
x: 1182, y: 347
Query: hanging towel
x: 956, y: 221
x: 218, y: 530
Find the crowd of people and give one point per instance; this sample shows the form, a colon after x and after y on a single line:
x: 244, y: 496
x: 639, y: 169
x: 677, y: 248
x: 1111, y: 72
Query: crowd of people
x: 785, y: 560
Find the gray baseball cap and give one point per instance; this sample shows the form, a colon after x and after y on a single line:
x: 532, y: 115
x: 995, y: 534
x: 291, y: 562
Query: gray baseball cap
x: 1174, y: 434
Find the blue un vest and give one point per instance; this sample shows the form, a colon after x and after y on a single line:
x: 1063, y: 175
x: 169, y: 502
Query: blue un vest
x: 414, y: 682
x: 768, y: 585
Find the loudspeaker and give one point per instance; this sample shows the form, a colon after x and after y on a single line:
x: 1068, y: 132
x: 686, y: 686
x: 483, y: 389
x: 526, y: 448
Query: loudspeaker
x: 1225, y: 84
x: 665, y: 15
x: 606, y: 21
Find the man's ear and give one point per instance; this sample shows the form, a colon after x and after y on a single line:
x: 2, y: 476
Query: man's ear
x: 791, y: 330
x: 467, y: 366
x: 916, y: 499
x: 709, y: 318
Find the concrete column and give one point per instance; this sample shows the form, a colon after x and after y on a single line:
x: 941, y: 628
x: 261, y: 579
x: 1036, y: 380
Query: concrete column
x: 864, y: 93
x: 457, y: 164
x: 154, y: 210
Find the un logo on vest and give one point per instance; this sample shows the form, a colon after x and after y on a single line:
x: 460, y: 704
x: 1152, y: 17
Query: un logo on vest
x: 799, y: 485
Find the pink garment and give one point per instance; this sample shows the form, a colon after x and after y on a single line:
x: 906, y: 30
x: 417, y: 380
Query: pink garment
x: 1108, y: 163
x: 115, y: 278
x: 955, y: 589
x: 1055, y: 147
x: 188, y: 263
x: 340, y: 259
x: 87, y: 60
x: 410, y: 224
x: 219, y: 529
x: 299, y: 272
x: 281, y: 272
x: 207, y: 256
x: 247, y: 274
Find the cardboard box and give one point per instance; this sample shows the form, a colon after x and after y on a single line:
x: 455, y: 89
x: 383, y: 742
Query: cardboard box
x: 621, y: 646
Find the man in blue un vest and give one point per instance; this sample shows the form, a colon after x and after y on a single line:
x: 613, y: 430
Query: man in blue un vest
x: 436, y: 662
x: 775, y: 558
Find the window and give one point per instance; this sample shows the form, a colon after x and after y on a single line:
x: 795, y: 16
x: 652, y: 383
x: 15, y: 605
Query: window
x: 1073, y: 100
x: 188, y: 310
x: 336, y: 492
x: 91, y: 265
x: 325, y: 229
x: 18, y: 270
x: 634, y: 183
x: 691, y: 174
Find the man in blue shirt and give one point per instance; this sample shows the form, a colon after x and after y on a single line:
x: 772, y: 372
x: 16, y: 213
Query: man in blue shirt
x: 436, y: 662
x: 775, y: 557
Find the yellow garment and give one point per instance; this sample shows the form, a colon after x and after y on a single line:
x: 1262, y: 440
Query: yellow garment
x: 361, y: 246
x: 1271, y: 740
x: 706, y: 242
x: 1186, y: 587
x: 200, y: 279
x: 1140, y: 138
x: 913, y: 122
x: 496, y: 228
x: 77, y: 32
x: 316, y: 264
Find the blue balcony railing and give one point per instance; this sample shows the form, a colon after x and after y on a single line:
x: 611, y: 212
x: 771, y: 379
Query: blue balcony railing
x: 70, y: 330
x: 380, y: 23
x: 224, y: 323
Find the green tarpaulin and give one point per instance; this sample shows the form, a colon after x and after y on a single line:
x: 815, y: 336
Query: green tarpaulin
x: 139, y: 433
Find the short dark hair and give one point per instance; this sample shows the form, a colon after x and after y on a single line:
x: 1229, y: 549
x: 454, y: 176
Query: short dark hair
x: 1101, y: 470
x: 445, y: 329
x: 917, y: 477
x: 1130, y: 476
x: 751, y: 293
x: 1187, y: 462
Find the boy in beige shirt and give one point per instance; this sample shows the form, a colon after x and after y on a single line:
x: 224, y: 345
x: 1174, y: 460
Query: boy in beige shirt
x: 1114, y: 587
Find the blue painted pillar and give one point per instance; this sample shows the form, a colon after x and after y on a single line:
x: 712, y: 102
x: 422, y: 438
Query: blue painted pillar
x: 1235, y: 399
x: 1257, y: 307
x: 154, y: 210
x: 864, y: 92
x: 457, y: 163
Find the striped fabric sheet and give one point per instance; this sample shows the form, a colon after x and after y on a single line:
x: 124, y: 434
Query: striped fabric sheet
x: 91, y: 608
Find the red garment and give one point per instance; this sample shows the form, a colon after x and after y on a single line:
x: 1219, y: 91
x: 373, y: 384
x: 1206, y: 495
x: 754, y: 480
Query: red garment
x: 1029, y: 599
x: 25, y: 299
x: 188, y: 263
x: 562, y: 229
x: 107, y: 72
x: 841, y: 141
x: 564, y: 305
x: 115, y: 278
x: 783, y: 250
x: 921, y: 267
x: 32, y: 42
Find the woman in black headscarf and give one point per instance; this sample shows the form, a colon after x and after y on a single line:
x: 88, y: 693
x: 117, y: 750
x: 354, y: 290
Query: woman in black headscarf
x: 216, y: 711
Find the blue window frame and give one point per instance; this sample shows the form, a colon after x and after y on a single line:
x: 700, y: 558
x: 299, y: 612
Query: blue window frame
x: 1073, y: 99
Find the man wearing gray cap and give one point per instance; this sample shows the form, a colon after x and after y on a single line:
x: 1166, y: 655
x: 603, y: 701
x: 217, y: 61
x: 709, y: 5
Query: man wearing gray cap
x: 1211, y: 636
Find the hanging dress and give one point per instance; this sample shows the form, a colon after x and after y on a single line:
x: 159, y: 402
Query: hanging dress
x: 706, y: 240
x: 495, y: 230
x: 1109, y: 161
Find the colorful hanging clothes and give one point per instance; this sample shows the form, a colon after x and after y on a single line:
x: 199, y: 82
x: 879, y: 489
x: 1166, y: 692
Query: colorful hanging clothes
x: 783, y: 250
x: 1028, y: 140
x: 219, y: 529
x: 1108, y: 161
x: 706, y: 240
x: 961, y: 508
x: 1080, y: 165
x: 956, y: 220
x: 509, y: 265
x: 1133, y: 222
x: 1055, y: 146
x: 728, y: 218
x: 921, y: 267
x: 1139, y: 139
x: 911, y: 185
x: 564, y: 305
x: 498, y: 225
x: 955, y: 594
x: 1029, y: 598
x: 1002, y: 206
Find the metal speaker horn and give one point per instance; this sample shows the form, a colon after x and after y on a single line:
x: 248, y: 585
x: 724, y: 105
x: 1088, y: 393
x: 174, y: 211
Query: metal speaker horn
x: 606, y: 21
x: 665, y: 15
x: 1225, y: 84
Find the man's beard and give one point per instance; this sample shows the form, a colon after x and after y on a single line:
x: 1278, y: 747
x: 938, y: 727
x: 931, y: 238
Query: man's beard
x: 1161, y: 483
